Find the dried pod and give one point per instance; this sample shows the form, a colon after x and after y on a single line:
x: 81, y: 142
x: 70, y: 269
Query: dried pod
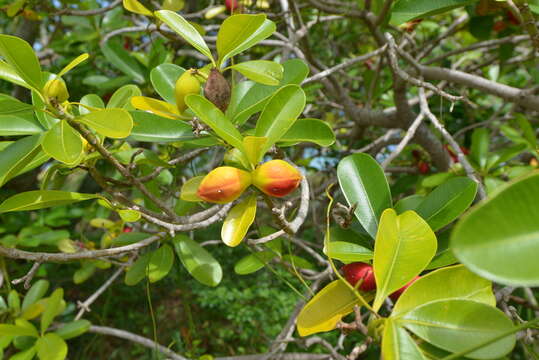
x: 217, y: 90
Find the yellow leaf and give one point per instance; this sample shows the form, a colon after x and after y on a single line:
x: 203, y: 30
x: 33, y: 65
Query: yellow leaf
x: 254, y: 146
x: 73, y: 63
x: 238, y: 221
x: 214, y: 11
x: 155, y: 106
x: 137, y: 8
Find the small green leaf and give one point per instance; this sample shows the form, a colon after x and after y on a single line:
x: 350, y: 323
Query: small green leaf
x: 480, y: 144
x: 91, y: 100
x: 121, y: 59
x: 254, y: 147
x: 63, y: 143
x: 20, y: 55
x: 406, y: 10
x: 348, y: 252
x: 129, y: 215
x: 309, y: 130
x: 238, y: 221
x: 411, y: 202
x: 113, y: 123
x: 73, y: 329
x: 14, y: 330
x: 164, y: 78
x: 39, y: 199
x: 53, y: 307
x: 138, y: 270
x: 51, y: 347
x: 404, y: 246
x: 261, y: 71
x: 121, y: 98
x: 189, y: 189
x: 79, y: 59
x: 253, y: 262
x: 18, y: 155
x: 152, y: 128
x: 198, y: 262
x: 187, y: 31
x: 27, y: 354
x: 160, y: 263
x: 398, y: 344
x: 36, y: 292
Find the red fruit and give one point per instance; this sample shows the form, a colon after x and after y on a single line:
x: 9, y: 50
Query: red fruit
x: 423, y: 167
x: 357, y: 271
x: 512, y: 18
x: 399, y: 292
x: 127, y: 229
x: 499, y: 26
x: 231, y: 5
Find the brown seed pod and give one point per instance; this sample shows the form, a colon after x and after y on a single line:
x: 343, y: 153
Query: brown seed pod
x: 217, y: 90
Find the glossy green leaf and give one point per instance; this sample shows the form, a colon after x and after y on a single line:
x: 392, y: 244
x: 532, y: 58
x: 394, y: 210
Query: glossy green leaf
x: 254, y: 149
x: 189, y: 189
x: 198, y: 261
x: 253, y: 262
x: 129, y: 215
x: 454, y: 282
x: 455, y: 325
x: 39, y: 199
x: 19, y: 124
x: 404, y: 246
x: 113, y: 123
x: 44, y: 118
x: 8, y: 73
x: 10, y: 105
x: 122, y: 60
x: 187, y: 31
x: 164, y: 78
x: 160, y: 263
x: 499, y: 238
x: 397, y: 344
x: 348, y: 252
x: 138, y: 270
x: 479, y: 148
x: 51, y: 347
x: 73, y: 329
x: 91, y: 100
x: 249, y: 97
x: 128, y: 238
x: 280, y: 113
x: 17, y: 155
x: 84, y: 273
x: 20, y: 55
x: 445, y: 203
x: 63, y: 143
x: 364, y: 184
x: 309, y: 130
x: 238, y: 221
x: 208, y: 113
x: 239, y: 32
x: 326, y: 308
x: 152, y: 128
x: 261, y: 71
x: 36, y: 292
x: 121, y: 98
x: 444, y: 255
x: 14, y: 301
x: 27, y: 354
x: 299, y: 262
x: 14, y: 330
x: 411, y: 202
x: 406, y: 10
x: 54, y: 304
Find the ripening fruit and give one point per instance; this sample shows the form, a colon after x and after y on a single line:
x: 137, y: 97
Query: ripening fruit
x: 499, y: 26
x: 127, y: 229
x: 276, y: 178
x: 231, y: 5
x: 217, y: 90
x: 186, y: 84
x: 223, y: 184
x: 394, y: 296
x: 357, y: 271
x: 56, y: 89
x: 423, y: 167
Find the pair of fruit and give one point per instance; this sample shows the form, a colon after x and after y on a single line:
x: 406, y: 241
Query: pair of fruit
x: 358, y: 271
x: 226, y: 183
x: 216, y: 89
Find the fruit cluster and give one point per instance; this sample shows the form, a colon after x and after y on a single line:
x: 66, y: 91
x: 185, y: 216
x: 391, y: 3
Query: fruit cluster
x: 363, y: 273
x: 226, y: 183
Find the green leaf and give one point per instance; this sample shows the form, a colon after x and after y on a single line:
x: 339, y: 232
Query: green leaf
x: 189, y: 189
x: 308, y: 130
x: 113, y: 123
x: 14, y: 301
x: 298, y: 262
x: 348, y: 252
x: 22, y: 123
x: 261, y: 71
x: 198, y: 262
x: 73, y: 329
x: 53, y: 307
x: 411, y: 202
x: 63, y: 143
x: 122, y: 97
x: 164, y: 79
x: 253, y: 262
x: 51, y: 347
x: 20, y: 55
x: 138, y: 270
x: 254, y: 149
x: 129, y: 215
x: 208, y: 113
x: 27, y: 354
x: 91, y: 100
x: 39, y: 199
x: 122, y: 60
x: 406, y: 10
x: 280, y: 113
x: 128, y: 238
x: 239, y: 32
x: 75, y: 62
x: 10, y: 105
x: 398, y: 344
x: 326, y: 308
x: 447, y: 202
x: 455, y: 325
x: 238, y: 221
x: 364, y: 184
x: 84, y: 273
x: 454, y: 282
x: 499, y: 238
x: 160, y: 263
x: 36, y: 292
x: 16, y: 156
x: 404, y: 246
x: 249, y: 97
x: 152, y: 128
x: 187, y: 31
x: 479, y: 148
x: 14, y: 330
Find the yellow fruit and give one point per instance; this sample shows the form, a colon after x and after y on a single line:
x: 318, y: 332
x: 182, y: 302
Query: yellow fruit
x: 56, y: 89
x: 186, y: 84
x: 223, y: 184
x: 276, y: 178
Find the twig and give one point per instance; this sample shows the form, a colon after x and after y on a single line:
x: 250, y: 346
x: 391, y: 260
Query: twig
x: 28, y: 277
x: 405, y: 140
x: 89, y: 12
